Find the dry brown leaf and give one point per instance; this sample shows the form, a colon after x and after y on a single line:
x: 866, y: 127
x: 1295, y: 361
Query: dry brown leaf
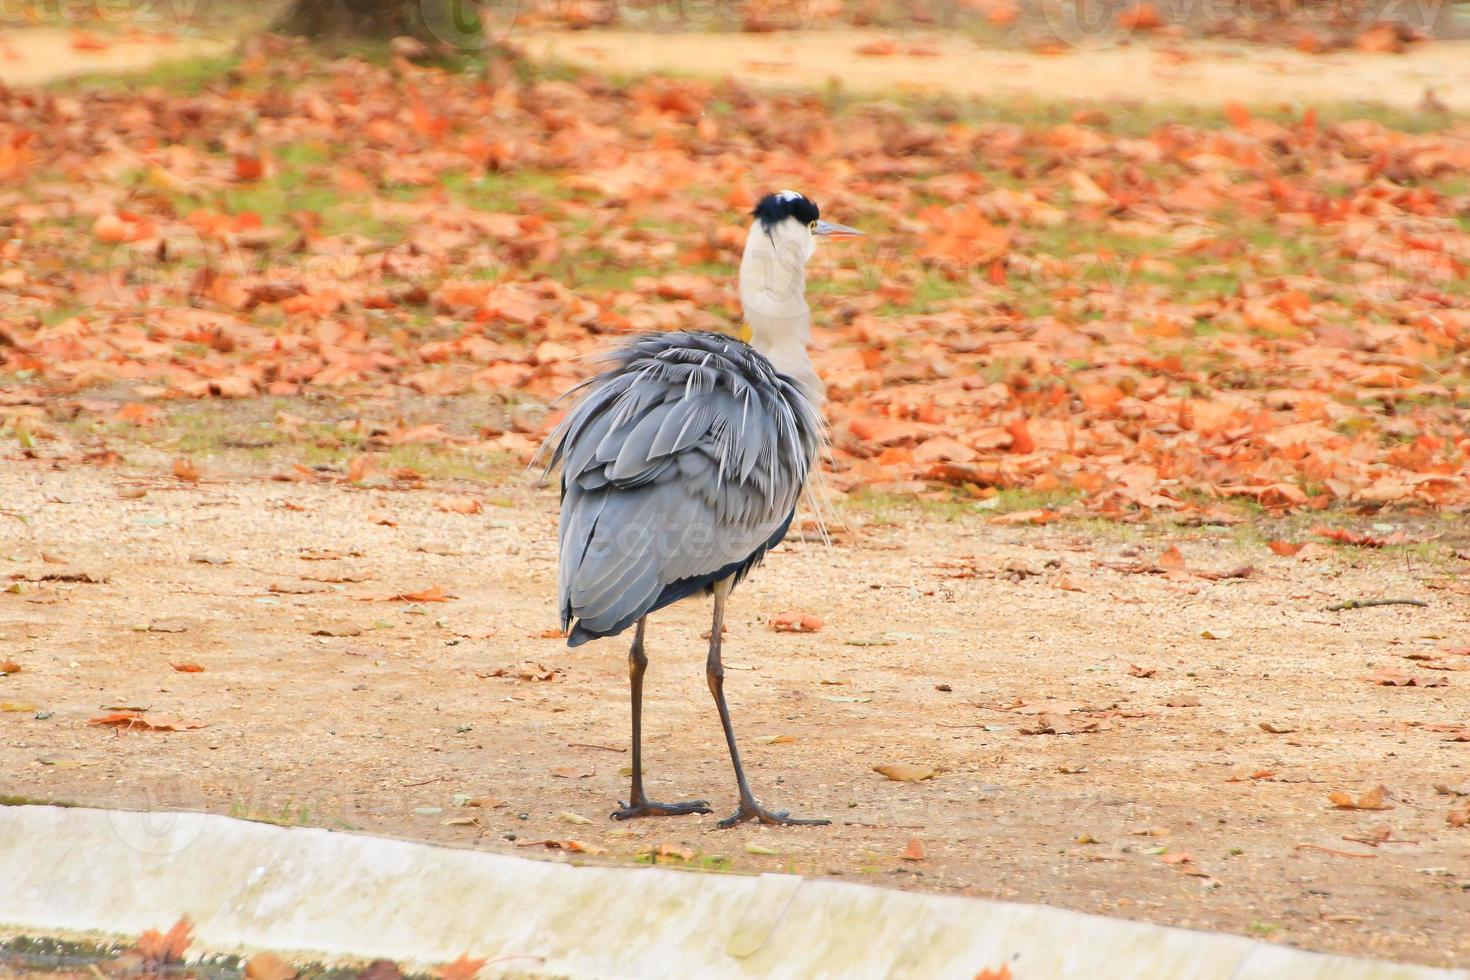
x: 527, y: 671
x: 176, y: 625
x: 574, y: 846
x: 1375, y: 799
x: 1393, y: 677
x: 905, y: 772
x: 360, y: 468
x: 1055, y: 724
x: 914, y: 851
x: 135, y: 720
x: 268, y: 966
x: 1172, y: 560
x: 1140, y: 17
x: 337, y: 629
x: 9, y: 667
x: 433, y: 593
x: 161, y: 948
x: 1040, y: 516
x: 459, y: 505
x: 187, y: 668
x: 381, y: 970
x: 186, y: 470
x: 1335, y: 852
x: 791, y: 622
x: 464, y: 968
x: 1343, y: 536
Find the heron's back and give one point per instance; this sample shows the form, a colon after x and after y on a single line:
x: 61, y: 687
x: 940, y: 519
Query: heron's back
x: 681, y: 466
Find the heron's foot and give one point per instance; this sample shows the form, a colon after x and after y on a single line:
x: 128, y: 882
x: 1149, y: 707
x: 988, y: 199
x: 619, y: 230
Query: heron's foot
x: 750, y: 810
x: 647, y: 808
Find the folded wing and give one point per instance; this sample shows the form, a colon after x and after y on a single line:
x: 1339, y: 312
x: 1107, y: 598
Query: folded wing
x: 681, y: 466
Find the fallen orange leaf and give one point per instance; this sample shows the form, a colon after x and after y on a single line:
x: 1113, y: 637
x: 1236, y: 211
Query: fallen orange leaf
x: 464, y: 968
x: 433, y: 593
x: 159, y: 949
x: 1374, y: 799
x: 791, y: 622
x: 359, y: 468
x: 459, y: 505
x: 137, y: 721
x: 268, y: 966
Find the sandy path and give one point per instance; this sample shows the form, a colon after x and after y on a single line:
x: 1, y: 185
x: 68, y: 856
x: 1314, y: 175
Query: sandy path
x: 34, y: 56
x: 368, y: 730
x: 1210, y: 74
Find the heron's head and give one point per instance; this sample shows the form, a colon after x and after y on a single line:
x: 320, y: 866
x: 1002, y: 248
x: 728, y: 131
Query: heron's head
x: 791, y: 223
x: 782, y: 239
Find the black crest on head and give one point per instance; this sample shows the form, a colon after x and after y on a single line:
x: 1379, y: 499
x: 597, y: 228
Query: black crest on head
x: 776, y: 208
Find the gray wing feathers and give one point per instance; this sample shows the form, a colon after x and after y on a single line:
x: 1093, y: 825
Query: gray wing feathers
x: 611, y: 572
x: 682, y: 459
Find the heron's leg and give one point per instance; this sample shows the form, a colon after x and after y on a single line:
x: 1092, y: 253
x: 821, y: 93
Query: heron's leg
x: 714, y: 672
x: 638, y: 804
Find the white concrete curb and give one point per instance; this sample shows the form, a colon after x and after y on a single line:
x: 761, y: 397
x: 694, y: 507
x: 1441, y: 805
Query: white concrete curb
x: 253, y: 886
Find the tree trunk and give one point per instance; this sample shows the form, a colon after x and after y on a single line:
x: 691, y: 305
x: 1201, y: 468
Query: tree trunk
x: 452, y: 22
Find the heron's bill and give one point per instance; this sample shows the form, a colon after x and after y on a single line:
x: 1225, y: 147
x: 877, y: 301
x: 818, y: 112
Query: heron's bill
x: 831, y: 230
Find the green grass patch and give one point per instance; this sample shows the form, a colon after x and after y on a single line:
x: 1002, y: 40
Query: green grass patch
x: 1139, y: 118
x: 49, y: 957
x: 20, y: 799
x: 181, y: 76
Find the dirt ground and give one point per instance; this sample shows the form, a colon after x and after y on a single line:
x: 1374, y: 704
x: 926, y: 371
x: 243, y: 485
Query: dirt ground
x: 947, y: 639
x: 35, y: 56
x: 945, y: 634
x: 1190, y: 73
x: 1197, y: 73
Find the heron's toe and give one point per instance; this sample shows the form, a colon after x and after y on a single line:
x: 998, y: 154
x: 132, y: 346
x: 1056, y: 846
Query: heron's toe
x: 648, y: 808
x: 754, y: 811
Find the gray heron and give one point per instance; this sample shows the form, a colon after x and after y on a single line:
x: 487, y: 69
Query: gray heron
x: 682, y: 465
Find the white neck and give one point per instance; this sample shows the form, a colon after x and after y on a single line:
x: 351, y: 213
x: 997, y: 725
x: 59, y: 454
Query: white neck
x: 773, y: 300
